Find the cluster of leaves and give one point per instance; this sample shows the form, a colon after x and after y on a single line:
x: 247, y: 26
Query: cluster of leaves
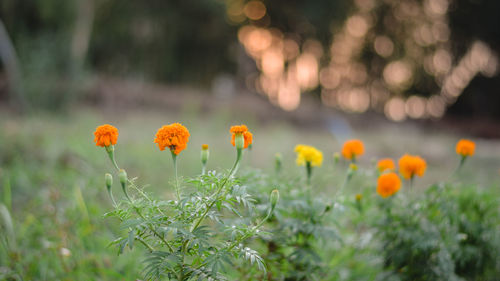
x: 196, y: 237
x: 449, y: 233
x: 299, y: 226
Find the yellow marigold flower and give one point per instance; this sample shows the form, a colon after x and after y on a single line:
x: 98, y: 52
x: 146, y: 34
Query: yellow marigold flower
x: 174, y: 136
x: 410, y: 165
x: 105, y: 135
x: 204, y: 146
x: 307, y: 153
x: 241, y: 129
x: 352, y: 149
x: 465, y: 148
x: 386, y: 164
x: 358, y: 197
x: 388, y: 184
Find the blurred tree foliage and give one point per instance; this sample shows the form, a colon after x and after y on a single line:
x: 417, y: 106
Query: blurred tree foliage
x: 191, y: 41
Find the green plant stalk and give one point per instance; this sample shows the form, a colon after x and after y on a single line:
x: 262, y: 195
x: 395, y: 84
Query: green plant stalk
x: 110, y: 149
x: 131, y: 202
x: 235, y: 166
x: 174, y: 159
x: 459, y: 167
x: 308, y: 172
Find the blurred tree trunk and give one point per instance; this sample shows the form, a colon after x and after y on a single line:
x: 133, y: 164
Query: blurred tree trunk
x: 10, y: 62
x: 82, y: 32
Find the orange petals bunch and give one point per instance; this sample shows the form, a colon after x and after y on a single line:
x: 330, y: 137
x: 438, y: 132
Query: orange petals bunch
x: 241, y: 129
x: 353, y: 149
x: 174, y: 136
x: 465, y: 148
x: 410, y: 165
x: 388, y: 184
x: 105, y: 135
x: 386, y: 164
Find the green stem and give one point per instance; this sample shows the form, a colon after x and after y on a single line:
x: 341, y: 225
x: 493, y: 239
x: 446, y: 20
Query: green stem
x: 309, y: 172
x: 110, y: 149
x: 209, y: 206
x: 174, y: 158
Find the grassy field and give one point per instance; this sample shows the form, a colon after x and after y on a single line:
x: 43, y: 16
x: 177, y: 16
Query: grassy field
x: 51, y: 176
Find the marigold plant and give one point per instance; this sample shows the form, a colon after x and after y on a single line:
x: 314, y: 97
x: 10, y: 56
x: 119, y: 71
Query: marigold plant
x: 388, y: 184
x: 465, y: 148
x: 386, y: 164
x: 410, y: 165
x: 174, y: 136
x: 241, y: 130
x: 105, y: 135
x: 352, y: 149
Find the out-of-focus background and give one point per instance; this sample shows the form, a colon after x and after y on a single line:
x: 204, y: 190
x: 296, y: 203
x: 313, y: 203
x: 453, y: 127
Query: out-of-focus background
x: 404, y: 76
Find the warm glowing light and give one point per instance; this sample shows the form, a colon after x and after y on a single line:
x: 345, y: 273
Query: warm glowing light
x: 357, y: 26
x: 272, y: 62
x: 435, y: 106
x: 290, y: 49
x: 397, y: 73
x: 288, y: 95
x: 415, y: 107
x: 254, y: 10
x: 329, y: 78
x: 442, y: 61
x: 307, y: 71
x: 395, y: 109
x: 383, y: 46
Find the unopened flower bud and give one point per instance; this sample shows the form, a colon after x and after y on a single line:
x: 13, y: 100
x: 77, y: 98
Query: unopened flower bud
x: 275, y: 197
x: 239, y: 141
x: 353, y: 167
x: 277, y: 162
x: 204, y: 153
x: 108, y: 179
x: 123, y: 177
x: 336, y: 157
x: 359, y: 197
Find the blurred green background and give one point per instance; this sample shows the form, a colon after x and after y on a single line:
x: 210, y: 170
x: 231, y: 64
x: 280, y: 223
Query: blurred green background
x: 403, y: 76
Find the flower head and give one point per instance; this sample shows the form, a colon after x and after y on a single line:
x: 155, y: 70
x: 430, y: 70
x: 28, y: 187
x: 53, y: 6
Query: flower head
x: 204, y: 146
x: 105, y: 135
x: 174, y: 136
x: 465, y: 147
x: 358, y: 197
x: 307, y: 153
x: 352, y: 149
x: 386, y: 164
x: 388, y: 184
x: 410, y: 165
x: 241, y: 130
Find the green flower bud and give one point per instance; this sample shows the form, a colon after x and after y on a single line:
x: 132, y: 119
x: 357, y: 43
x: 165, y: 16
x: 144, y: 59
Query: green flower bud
x: 277, y: 162
x: 336, y: 157
x: 108, y: 179
x: 204, y: 154
x: 275, y: 197
x: 123, y: 178
x: 239, y: 141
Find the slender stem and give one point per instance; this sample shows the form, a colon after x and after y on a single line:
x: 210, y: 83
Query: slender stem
x: 309, y: 172
x: 203, y: 169
x: 209, y: 206
x: 110, y: 149
x: 174, y: 158
x: 460, y: 164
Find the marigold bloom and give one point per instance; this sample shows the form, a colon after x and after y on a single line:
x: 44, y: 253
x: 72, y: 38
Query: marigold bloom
x: 307, y: 153
x: 386, y: 164
x: 242, y: 129
x: 465, y: 148
x: 352, y: 149
x: 388, y: 184
x: 410, y: 165
x: 105, y: 135
x: 358, y: 197
x: 204, y: 146
x: 174, y: 136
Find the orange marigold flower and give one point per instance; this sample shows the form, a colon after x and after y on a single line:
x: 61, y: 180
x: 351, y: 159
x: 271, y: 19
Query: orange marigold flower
x: 386, y: 164
x: 105, y: 135
x: 410, y: 165
x: 465, y: 147
x: 388, y: 184
x: 352, y: 149
x: 242, y: 129
x: 204, y: 146
x: 174, y: 136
